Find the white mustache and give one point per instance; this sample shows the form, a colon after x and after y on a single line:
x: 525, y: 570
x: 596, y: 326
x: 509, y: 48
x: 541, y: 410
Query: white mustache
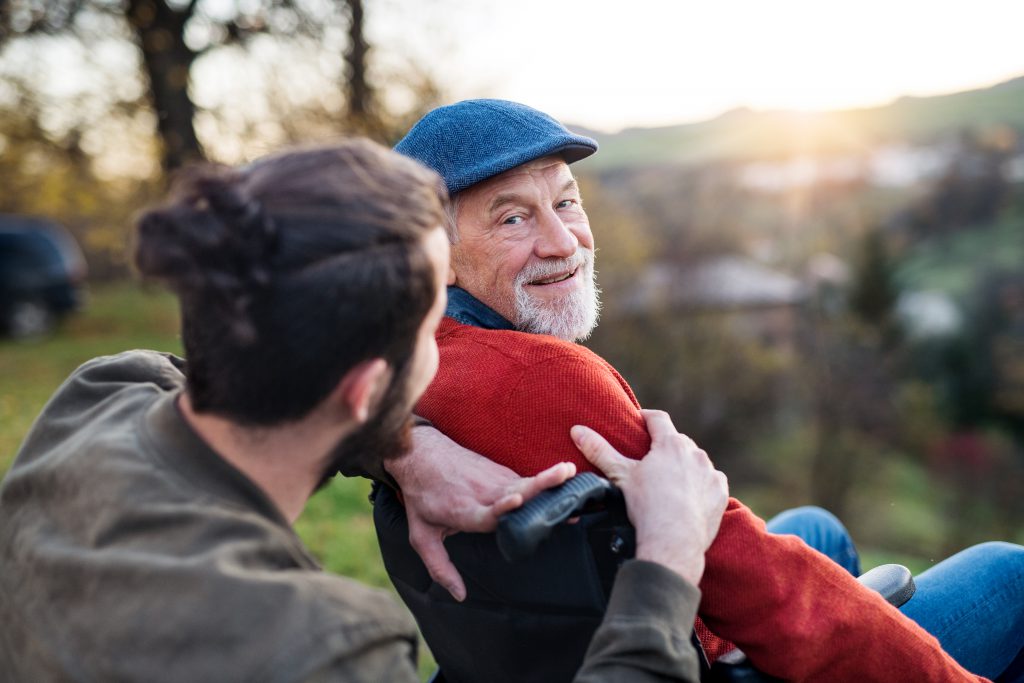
x: 543, y: 269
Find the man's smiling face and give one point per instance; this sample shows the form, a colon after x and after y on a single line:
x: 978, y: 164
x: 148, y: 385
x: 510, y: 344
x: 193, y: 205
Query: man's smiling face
x: 525, y: 249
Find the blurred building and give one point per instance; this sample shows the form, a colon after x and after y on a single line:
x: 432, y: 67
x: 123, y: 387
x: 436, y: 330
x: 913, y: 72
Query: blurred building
x: 760, y: 303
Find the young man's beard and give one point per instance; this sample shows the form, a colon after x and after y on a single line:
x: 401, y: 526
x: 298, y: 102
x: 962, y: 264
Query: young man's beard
x: 385, y: 436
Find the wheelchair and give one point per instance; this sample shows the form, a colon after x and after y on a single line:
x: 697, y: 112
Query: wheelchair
x: 538, y: 588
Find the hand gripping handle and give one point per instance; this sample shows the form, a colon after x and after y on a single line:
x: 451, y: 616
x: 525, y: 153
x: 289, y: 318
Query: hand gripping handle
x: 522, y: 530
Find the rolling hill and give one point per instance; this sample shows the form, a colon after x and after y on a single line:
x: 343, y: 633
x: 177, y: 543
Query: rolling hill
x: 746, y: 134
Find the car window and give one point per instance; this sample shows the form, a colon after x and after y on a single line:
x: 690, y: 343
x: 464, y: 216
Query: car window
x: 37, y: 247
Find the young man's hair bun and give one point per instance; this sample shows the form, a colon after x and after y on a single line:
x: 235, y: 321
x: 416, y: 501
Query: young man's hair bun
x: 212, y: 240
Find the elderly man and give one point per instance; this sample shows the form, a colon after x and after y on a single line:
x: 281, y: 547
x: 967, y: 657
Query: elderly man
x: 511, y: 384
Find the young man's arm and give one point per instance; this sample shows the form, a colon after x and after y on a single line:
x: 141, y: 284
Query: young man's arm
x: 675, y: 499
x: 645, y: 634
x: 447, y: 488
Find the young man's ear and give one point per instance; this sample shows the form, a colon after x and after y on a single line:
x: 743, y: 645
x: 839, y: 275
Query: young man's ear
x: 361, y: 388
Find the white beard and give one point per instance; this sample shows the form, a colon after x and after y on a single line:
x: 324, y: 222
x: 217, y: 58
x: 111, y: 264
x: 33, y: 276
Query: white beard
x: 574, y: 316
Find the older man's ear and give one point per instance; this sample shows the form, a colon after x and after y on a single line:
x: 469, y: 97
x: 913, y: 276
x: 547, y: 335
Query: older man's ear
x: 451, y: 275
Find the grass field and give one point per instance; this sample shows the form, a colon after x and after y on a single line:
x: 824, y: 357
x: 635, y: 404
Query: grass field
x: 336, y: 525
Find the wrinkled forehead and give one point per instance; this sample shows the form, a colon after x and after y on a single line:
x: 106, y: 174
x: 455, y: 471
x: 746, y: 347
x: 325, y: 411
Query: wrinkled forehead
x: 550, y: 171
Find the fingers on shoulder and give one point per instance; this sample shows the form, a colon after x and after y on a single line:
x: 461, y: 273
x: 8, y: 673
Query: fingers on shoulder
x: 659, y: 424
x: 663, y: 431
x: 599, y: 452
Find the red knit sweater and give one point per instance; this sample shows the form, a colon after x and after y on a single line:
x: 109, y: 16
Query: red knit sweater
x: 513, y: 396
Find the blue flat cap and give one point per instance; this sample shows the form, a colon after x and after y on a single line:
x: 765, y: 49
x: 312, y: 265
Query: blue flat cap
x: 473, y: 140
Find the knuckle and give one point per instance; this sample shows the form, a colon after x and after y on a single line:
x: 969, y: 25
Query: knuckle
x: 522, y: 488
x: 681, y: 445
x: 420, y: 539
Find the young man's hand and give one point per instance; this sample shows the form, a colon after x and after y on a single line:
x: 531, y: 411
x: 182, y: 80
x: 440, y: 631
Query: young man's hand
x: 447, y: 488
x: 674, y: 495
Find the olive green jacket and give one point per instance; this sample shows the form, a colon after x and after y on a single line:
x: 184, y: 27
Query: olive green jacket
x: 130, y: 551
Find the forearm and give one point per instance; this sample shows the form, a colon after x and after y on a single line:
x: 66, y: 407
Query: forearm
x: 447, y: 489
x: 645, y: 635
x: 799, y: 616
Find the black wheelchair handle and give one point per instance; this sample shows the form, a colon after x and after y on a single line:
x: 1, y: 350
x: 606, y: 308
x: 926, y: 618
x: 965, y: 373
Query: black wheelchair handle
x: 522, y: 530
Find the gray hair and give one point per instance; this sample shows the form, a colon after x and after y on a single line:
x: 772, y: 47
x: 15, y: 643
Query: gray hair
x: 451, y: 214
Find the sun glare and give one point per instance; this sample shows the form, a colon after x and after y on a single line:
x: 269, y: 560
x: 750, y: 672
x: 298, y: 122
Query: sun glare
x: 608, y: 66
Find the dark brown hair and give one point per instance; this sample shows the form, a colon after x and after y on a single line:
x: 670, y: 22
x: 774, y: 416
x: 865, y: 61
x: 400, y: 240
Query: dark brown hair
x: 293, y: 270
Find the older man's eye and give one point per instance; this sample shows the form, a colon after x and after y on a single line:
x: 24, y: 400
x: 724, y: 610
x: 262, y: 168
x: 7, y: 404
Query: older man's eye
x: 513, y: 220
x: 565, y: 203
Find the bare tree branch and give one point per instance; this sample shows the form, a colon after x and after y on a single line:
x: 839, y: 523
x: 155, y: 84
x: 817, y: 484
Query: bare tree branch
x: 157, y: 28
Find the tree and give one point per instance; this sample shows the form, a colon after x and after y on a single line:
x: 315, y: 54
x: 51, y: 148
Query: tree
x: 49, y: 168
x: 971, y: 192
x: 171, y: 35
x: 850, y: 371
x: 874, y: 294
x: 361, y: 103
x: 90, y: 149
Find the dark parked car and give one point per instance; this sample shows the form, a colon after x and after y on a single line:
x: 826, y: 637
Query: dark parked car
x: 42, y: 273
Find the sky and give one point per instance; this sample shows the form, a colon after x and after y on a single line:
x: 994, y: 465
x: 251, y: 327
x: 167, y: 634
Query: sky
x: 609, y: 65
x: 600, y: 64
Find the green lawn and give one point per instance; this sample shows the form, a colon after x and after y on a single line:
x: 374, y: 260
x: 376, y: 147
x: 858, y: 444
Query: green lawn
x: 336, y: 525
x: 116, y: 319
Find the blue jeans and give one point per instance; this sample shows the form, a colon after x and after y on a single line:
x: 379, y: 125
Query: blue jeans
x: 973, y: 602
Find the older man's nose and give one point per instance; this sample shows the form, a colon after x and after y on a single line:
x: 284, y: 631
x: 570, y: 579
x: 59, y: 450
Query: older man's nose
x: 555, y: 240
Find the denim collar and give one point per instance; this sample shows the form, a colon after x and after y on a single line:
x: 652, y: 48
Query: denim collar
x: 468, y: 310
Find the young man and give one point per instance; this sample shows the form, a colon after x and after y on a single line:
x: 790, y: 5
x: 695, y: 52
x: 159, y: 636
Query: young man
x: 522, y: 262
x: 145, y: 526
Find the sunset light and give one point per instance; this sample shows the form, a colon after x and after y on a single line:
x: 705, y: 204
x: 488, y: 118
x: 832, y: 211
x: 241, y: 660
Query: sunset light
x: 668, y: 62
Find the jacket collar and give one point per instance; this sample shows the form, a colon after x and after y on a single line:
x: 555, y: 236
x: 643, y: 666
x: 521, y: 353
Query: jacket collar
x: 468, y: 310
